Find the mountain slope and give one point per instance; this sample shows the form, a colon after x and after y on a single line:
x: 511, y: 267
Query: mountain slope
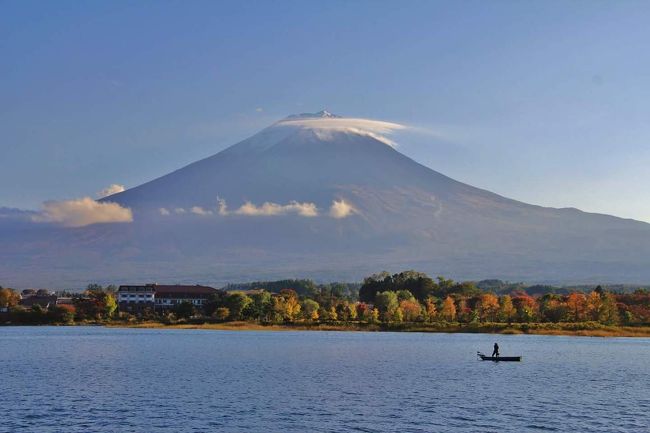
x: 341, y: 203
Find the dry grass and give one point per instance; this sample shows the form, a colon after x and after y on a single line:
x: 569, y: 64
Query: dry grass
x: 516, y: 329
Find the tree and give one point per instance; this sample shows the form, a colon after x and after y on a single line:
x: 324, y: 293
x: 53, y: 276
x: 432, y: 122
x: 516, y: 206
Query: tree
x: 386, y: 302
x: 332, y: 314
x: 184, y: 310
x: 221, y: 313
x: 448, y: 311
x: 260, y: 307
x: 431, y: 309
x: 291, y: 304
x: 488, y: 307
x: 608, y: 313
x: 404, y: 295
x: 96, y: 303
x: 310, y: 309
x: 553, y: 308
x: 526, y: 307
x: 63, y: 313
x: 214, y: 301
x: 506, y: 309
x: 577, y: 306
x: 411, y: 309
x: 593, y: 305
x: 420, y: 285
x: 236, y: 303
x: 8, y: 298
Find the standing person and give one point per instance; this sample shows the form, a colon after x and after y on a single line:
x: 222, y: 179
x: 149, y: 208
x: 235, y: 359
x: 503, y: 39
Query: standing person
x: 495, y: 352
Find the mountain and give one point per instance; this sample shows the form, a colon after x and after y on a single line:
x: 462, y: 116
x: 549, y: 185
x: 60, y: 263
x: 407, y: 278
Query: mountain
x: 327, y: 197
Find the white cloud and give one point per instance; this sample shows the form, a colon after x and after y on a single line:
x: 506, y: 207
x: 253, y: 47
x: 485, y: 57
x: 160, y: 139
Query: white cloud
x: 179, y: 210
x: 272, y: 209
x: 259, y: 109
x: 198, y: 210
x: 110, y: 190
x: 341, y: 209
x: 164, y: 211
x: 82, y: 212
x: 326, y: 125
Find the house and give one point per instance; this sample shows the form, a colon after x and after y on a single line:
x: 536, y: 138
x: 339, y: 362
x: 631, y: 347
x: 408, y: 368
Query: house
x: 42, y: 300
x: 135, y: 298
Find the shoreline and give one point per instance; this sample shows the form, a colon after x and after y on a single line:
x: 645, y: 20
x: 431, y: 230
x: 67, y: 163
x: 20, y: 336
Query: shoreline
x: 564, y: 329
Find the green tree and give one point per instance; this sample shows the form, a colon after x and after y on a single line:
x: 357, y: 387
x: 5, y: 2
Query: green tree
x: 506, y: 309
x: 310, y: 309
x: 404, y: 295
x: 387, y: 303
x: 184, y: 310
x: 236, y: 303
x: 261, y: 305
x: 608, y: 313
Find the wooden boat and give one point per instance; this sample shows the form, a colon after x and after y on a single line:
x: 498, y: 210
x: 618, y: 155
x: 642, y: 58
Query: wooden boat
x: 498, y: 358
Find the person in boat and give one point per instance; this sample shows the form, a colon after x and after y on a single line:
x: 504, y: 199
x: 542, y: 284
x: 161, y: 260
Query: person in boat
x: 495, y: 352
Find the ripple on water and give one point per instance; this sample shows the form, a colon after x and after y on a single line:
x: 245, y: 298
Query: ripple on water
x: 85, y: 380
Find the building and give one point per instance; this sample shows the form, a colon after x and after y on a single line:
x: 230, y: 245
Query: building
x: 169, y: 296
x: 42, y: 300
x: 135, y: 298
x: 161, y: 297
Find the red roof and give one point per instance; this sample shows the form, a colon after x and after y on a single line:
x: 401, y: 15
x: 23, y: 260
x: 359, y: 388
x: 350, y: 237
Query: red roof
x: 190, y: 290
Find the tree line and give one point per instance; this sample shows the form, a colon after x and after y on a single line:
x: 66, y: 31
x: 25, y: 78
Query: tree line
x: 405, y: 297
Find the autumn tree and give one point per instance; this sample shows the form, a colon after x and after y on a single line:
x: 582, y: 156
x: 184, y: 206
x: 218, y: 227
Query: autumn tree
x: 221, y: 313
x: 8, y: 298
x: 553, y: 308
x: 488, y: 307
x: 448, y: 311
x: 507, y: 310
x: 411, y: 309
x: 593, y: 305
x: 310, y: 309
x: 291, y: 304
x: 526, y: 307
x: 431, y: 309
x: 577, y: 306
x: 97, y: 303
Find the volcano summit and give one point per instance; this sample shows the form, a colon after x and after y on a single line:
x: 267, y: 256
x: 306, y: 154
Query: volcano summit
x: 327, y: 197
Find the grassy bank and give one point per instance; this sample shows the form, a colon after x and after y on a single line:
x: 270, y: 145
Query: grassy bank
x: 586, y: 329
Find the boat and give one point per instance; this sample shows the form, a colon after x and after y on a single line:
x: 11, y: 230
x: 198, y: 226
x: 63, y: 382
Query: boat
x: 498, y: 358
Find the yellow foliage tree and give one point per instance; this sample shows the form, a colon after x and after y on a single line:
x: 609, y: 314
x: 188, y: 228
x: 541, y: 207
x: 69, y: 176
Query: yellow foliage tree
x: 8, y: 298
x: 593, y: 305
x: 431, y: 309
x: 489, y: 307
x: 448, y: 311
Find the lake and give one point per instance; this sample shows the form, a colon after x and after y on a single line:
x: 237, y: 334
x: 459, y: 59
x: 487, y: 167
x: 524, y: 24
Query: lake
x: 94, y: 379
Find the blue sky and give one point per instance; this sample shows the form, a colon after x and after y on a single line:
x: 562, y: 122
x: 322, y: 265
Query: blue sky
x: 545, y: 102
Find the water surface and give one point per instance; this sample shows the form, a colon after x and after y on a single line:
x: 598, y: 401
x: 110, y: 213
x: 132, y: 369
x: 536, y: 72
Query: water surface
x: 92, y: 379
